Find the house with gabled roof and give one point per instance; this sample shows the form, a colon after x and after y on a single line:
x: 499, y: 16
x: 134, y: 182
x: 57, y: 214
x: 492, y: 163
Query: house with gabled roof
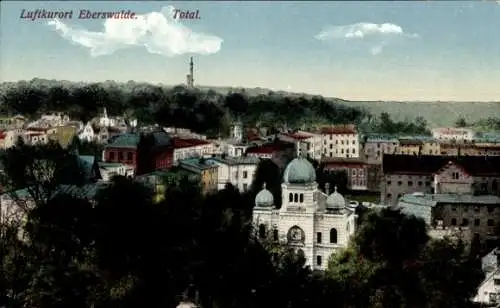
x: 406, y: 174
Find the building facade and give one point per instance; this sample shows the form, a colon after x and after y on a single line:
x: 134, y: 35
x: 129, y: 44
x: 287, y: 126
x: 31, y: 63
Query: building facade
x: 376, y: 146
x: 462, y: 135
x: 481, y: 214
x: 123, y: 150
x: 340, y: 141
x: 306, y: 144
x: 356, y: 170
x: 206, y: 170
x: 238, y: 171
x: 406, y: 174
x: 313, y: 223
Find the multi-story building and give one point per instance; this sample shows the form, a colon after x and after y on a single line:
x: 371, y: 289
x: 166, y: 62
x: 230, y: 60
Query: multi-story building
x: 375, y: 146
x: 462, y: 135
x: 405, y: 174
x: 123, y: 149
x: 479, y: 213
x: 356, y: 170
x: 306, y: 144
x: 190, y: 147
x: 430, y: 146
x: 206, y: 170
x: 475, y: 148
x: 309, y: 221
x: 340, y: 141
x: 279, y: 152
x: 409, y: 146
x: 238, y: 171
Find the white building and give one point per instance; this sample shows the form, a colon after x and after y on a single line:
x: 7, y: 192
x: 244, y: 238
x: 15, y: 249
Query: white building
x: 488, y: 292
x: 309, y: 220
x: 340, y: 141
x: 11, y: 137
x: 87, y: 133
x: 190, y: 147
x: 236, y: 150
x: 55, y: 119
x: 306, y: 144
x: 106, y: 121
x: 239, y: 171
x: 109, y: 170
x: 453, y: 134
x: 237, y: 132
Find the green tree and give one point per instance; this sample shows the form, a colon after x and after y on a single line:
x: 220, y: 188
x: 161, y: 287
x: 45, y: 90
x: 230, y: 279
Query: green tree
x: 460, y: 122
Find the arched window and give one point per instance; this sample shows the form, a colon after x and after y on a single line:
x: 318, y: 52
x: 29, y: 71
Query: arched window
x: 301, y: 198
x: 333, y: 236
x: 275, y: 235
x: 262, y: 231
x: 296, y: 198
x: 290, y: 197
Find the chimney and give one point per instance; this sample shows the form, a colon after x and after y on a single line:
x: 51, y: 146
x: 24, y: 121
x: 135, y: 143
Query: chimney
x: 327, y: 188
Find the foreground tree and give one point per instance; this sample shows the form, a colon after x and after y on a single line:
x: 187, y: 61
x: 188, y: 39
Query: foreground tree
x: 392, y: 263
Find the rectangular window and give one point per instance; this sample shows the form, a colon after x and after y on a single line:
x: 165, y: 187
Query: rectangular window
x: 120, y: 156
x: 319, y: 237
x: 319, y: 260
x: 111, y: 156
x: 245, y: 174
x: 491, y: 223
x: 453, y: 221
x: 477, y: 222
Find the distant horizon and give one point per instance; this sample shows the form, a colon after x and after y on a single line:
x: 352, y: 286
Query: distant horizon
x: 356, y: 50
x: 252, y: 88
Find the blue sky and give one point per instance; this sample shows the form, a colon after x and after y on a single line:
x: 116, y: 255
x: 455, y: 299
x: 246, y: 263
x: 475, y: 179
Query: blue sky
x: 407, y: 50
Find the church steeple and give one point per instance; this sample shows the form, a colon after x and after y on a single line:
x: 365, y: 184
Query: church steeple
x: 190, y: 76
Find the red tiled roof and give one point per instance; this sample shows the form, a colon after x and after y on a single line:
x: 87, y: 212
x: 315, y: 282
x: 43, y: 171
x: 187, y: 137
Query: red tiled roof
x: 299, y: 135
x: 180, y: 143
x: 338, y: 130
x: 268, y: 148
x: 252, y: 136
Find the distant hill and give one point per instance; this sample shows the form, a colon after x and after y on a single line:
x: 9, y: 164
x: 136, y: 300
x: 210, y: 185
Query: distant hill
x: 436, y: 113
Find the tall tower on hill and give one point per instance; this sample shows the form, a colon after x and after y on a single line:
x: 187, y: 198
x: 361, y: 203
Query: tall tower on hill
x: 190, y: 76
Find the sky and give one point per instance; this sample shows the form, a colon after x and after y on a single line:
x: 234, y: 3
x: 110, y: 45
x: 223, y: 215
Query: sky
x: 408, y: 50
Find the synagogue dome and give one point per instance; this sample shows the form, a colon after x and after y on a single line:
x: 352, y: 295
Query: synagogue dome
x: 299, y: 171
x: 335, y: 201
x: 264, y: 198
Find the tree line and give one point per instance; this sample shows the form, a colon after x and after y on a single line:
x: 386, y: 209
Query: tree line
x: 200, y: 110
x: 119, y: 249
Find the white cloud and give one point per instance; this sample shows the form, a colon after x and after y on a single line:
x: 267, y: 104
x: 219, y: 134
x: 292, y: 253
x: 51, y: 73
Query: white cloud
x: 498, y: 2
x: 379, y: 34
x: 158, y: 32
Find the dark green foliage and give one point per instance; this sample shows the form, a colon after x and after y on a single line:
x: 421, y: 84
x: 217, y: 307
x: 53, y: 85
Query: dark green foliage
x: 123, y: 250
x: 202, y: 111
x: 385, y: 125
x: 392, y: 263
